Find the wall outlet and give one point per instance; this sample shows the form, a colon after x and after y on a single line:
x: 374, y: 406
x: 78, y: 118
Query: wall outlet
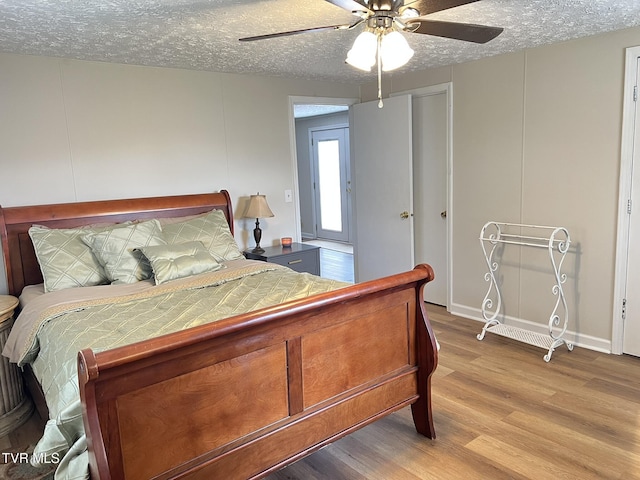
x: 288, y: 196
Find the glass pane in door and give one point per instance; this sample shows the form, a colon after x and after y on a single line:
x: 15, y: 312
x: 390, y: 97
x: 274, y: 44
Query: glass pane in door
x: 329, y: 185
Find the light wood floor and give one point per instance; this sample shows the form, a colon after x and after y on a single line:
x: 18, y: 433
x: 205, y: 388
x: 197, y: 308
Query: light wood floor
x: 500, y: 412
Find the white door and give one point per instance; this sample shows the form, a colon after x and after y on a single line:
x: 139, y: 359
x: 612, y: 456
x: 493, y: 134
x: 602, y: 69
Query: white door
x: 382, y: 187
x: 330, y: 149
x: 430, y: 189
x: 631, y: 343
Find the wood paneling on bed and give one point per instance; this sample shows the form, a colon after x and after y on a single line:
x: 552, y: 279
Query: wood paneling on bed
x: 291, y: 379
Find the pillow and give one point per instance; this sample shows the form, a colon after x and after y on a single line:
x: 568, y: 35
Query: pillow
x: 209, y: 228
x: 169, y: 220
x: 170, y: 262
x: 65, y: 260
x: 114, y: 249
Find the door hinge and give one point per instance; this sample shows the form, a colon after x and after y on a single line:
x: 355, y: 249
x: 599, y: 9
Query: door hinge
x: 624, y: 309
x: 629, y: 206
x: 635, y: 93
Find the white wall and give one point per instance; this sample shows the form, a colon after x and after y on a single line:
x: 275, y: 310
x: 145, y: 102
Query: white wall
x: 536, y: 139
x: 76, y: 131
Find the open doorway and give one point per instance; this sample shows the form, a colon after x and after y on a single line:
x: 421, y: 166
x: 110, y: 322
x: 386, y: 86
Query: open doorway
x: 321, y: 132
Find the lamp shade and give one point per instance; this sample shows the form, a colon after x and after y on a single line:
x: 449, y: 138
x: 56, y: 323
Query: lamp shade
x: 363, y: 53
x: 395, y: 51
x: 258, y: 207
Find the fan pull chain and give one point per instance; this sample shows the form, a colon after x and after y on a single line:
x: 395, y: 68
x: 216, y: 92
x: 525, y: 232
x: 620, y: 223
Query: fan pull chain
x: 379, y: 62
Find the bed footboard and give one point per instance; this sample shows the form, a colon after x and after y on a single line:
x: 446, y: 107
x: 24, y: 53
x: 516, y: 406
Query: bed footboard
x: 247, y: 395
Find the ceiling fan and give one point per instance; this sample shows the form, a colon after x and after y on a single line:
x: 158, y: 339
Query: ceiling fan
x: 409, y: 16
x: 381, y: 40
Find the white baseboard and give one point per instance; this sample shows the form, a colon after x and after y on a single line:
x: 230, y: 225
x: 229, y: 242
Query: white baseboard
x: 579, y: 340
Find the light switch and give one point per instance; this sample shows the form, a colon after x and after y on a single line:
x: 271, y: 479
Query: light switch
x: 288, y: 196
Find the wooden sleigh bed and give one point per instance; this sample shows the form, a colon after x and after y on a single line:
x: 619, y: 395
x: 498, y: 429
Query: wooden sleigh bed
x: 296, y: 376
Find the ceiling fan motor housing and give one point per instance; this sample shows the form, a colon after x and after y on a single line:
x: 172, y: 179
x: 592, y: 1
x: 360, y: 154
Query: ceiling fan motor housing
x: 384, y: 5
x: 381, y: 20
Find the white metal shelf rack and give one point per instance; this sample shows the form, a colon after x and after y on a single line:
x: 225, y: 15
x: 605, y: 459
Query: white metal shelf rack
x: 556, y: 240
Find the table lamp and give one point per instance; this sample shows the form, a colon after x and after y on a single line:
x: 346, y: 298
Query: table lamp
x: 258, y: 208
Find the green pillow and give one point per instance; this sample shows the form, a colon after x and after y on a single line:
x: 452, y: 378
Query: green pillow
x: 115, y: 250
x: 209, y: 228
x: 170, y: 262
x: 65, y: 260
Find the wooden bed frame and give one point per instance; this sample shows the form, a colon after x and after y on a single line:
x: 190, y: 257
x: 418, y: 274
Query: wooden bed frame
x: 245, y: 396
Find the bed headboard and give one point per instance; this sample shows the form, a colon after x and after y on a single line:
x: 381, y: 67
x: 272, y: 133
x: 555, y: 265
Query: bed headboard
x: 20, y: 259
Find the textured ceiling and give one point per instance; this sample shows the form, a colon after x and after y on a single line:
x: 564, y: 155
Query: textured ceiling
x: 304, y: 110
x: 203, y: 34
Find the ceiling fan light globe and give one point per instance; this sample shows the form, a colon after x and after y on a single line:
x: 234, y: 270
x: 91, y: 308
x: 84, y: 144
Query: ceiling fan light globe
x: 395, y: 51
x: 363, y: 52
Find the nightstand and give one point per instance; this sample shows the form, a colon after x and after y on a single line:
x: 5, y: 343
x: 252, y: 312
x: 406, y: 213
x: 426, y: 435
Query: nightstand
x: 299, y: 257
x: 15, y: 407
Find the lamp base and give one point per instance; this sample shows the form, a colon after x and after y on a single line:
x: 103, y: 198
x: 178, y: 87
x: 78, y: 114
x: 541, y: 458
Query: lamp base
x: 257, y: 236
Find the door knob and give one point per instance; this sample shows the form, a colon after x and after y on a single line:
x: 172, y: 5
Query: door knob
x: 443, y: 214
x: 404, y: 215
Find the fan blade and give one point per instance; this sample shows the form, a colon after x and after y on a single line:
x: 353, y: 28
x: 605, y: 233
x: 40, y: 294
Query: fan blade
x: 425, y: 7
x: 297, y: 32
x: 467, y: 32
x: 351, y: 5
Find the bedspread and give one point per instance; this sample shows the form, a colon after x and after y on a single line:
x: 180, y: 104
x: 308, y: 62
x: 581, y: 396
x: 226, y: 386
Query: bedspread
x: 49, y: 338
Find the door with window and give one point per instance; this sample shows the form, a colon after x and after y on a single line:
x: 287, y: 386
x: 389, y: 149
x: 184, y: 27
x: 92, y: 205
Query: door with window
x: 331, y: 183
